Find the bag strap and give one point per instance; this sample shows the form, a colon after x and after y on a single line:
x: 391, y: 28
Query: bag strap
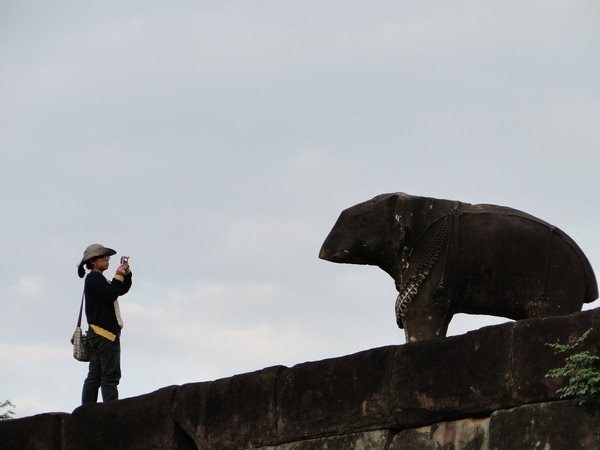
x: 80, y: 310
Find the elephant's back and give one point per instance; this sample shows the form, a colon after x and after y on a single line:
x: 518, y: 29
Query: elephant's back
x: 517, y: 231
x: 502, y: 211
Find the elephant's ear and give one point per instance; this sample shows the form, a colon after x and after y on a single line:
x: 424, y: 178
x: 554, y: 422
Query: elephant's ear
x: 403, y: 213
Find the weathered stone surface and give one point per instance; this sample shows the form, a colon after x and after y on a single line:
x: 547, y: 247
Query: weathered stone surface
x: 453, y: 378
x: 336, y: 396
x: 41, y: 432
x: 467, y: 434
x: 139, y: 422
x: 356, y: 401
x: 531, y: 358
x: 554, y: 425
x: 236, y: 412
x: 492, y: 368
x: 370, y: 440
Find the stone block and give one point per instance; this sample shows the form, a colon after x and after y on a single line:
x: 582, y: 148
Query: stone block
x: 466, y: 434
x: 456, y: 377
x: 369, y: 440
x: 237, y: 412
x: 336, y: 396
x: 553, y: 425
x: 138, y: 422
x: 41, y: 432
x: 532, y: 358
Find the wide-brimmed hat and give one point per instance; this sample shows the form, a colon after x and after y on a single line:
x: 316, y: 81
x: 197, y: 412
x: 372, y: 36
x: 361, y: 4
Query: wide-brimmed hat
x: 91, y: 252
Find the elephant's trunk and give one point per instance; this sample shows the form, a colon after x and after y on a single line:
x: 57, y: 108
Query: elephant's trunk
x: 339, y: 256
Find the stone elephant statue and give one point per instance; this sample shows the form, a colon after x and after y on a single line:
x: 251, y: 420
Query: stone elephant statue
x: 450, y: 257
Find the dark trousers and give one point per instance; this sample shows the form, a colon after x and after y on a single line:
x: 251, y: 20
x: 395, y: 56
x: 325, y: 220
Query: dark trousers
x: 105, y: 369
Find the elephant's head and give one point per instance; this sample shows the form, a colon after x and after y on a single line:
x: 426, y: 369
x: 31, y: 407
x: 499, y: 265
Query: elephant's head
x: 371, y: 233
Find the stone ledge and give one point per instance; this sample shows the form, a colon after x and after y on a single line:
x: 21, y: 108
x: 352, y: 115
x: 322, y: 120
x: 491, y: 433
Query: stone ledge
x: 560, y: 425
x: 137, y: 422
x: 40, y: 432
x: 390, y: 388
x: 236, y: 412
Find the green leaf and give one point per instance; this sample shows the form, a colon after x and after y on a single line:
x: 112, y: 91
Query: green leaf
x: 582, y: 380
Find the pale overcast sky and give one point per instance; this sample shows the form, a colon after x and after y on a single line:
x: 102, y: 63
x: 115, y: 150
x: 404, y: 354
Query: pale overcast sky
x: 216, y: 143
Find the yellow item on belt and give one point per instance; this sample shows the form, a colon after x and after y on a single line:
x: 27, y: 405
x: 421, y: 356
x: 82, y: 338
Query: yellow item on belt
x: 104, y: 333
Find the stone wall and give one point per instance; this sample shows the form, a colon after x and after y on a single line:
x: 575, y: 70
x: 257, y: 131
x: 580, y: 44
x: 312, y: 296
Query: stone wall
x: 482, y: 390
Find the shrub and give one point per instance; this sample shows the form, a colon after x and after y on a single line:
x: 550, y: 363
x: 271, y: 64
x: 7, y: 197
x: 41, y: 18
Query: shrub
x: 7, y: 415
x: 583, y: 379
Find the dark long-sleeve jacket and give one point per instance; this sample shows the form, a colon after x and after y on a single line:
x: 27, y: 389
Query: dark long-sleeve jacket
x: 100, y: 296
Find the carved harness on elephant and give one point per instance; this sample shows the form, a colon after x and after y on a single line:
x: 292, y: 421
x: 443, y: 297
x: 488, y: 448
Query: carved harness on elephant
x: 409, y: 289
x: 449, y: 225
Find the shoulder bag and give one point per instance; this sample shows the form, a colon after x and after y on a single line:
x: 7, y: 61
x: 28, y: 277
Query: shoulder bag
x: 79, y: 339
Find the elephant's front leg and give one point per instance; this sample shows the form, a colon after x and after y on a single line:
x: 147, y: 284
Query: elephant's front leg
x: 424, y: 319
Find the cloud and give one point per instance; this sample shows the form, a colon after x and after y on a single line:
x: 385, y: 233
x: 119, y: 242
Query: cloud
x: 29, y: 354
x: 27, y: 286
x: 217, y: 143
x: 29, y: 405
